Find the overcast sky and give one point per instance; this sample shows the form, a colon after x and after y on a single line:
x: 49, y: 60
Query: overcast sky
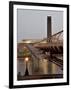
x: 32, y: 24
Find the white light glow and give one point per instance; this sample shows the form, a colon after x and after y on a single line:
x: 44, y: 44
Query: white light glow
x: 26, y: 59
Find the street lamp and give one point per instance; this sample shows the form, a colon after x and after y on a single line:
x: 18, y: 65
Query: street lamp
x: 26, y: 71
x: 26, y: 59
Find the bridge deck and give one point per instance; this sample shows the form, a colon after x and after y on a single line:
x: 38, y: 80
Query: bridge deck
x: 38, y: 55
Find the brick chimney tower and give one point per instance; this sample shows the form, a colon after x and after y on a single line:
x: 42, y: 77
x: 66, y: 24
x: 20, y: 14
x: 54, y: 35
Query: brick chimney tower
x: 49, y: 33
x: 49, y: 27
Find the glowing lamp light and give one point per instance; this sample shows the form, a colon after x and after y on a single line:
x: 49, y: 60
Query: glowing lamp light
x: 26, y: 59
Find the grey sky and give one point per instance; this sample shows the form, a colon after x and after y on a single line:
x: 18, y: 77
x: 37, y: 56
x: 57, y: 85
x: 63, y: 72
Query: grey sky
x: 32, y: 24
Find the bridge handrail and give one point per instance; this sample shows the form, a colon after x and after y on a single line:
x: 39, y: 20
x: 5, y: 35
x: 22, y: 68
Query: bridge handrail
x: 49, y: 37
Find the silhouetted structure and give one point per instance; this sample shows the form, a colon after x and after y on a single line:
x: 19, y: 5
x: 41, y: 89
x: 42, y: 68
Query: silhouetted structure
x: 49, y: 30
x: 26, y: 71
x: 49, y: 27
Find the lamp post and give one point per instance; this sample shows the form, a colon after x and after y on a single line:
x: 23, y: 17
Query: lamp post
x: 26, y: 71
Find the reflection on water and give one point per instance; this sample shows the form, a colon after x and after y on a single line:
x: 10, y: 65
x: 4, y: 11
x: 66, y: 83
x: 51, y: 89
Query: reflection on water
x: 38, y: 67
